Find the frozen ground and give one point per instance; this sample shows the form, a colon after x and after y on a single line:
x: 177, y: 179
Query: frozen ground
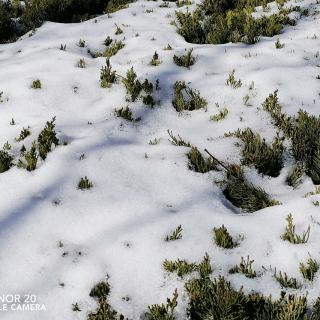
x: 142, y: 192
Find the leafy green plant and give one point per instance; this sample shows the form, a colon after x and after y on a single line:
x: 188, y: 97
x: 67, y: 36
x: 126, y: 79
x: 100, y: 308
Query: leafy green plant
x: 220, y: 115
x: 116, y: 5
x: 6, y: 161
x: 198, y: 163
x: 31, y: 158
x: 132, y: 85
x: 244, y: 267
x: 290, y: 233
x: 81, y: 43
x: 223, y: 239
x: 181, y: 267
x: 294, y: 177
x: 186, y: 98
x: 25, y: 132
x: 155, y: 61
x: 177, y: 141
x: 118, y: 30
x: 175, y: 235
x: 47, y: 138
x: 285, y: 281
x: 243, y: 194
x: 84, y: 184
x: 36, y: 84
x: 107, y: 75
x: 163, y: 311
x: 309, y: 269
x: 232, y: 81
x: 186, y: 60
x: 100, y: 290
x: 111, y: 50
x: 278, y: 44
x: 266, y: 159
x: 125, y: 113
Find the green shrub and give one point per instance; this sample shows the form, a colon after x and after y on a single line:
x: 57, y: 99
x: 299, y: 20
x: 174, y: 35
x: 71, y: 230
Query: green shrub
x: 309, y: 269
x: 220, y: 115
x: 163, y: 311
x: 25, y: 132
x: 111, y: 50
x: 232, y: 81
x: 285, y: 281
x: 175, y: 235
x: 107, y: 75
x: 6, y: 161
x: 132, y: 85
x: 155, y: 61
x: 198, y: 163
x: 47, y: 138
x: 266, y: 159
x: 36, y: 84
x: 290, y: 233
x: 8, y: 28
x: 100, y: 291
x: 115, y: 5
x: 31, y: 158
x: 223, y: 239
x: 186, y: 60
x: 243, y: 194
x: 294, y: 177
x: 186, y: 98
x: 84, y: 184
x: 177, y: 141
x: 126, y: 114
x: 181, y: 267
x: 118, y: 30
x: 244, y: 267
x: 81, y: 63
x: 278, y: 44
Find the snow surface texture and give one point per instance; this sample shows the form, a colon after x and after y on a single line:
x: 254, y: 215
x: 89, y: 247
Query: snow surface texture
x: 142, y: 192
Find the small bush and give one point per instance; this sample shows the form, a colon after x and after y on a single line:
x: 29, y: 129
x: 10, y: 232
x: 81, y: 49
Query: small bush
x: 186, y: 98
x: 126, y: 114
x: 220, y: 115
x: 116, y: 5
x: 294, y: 177
x: 36, y: 84
x: 290, y: 233
x: 155, y: 61
x: 181, y: 267
x: 309, y: 269
x: 278, y: 44
x: 81, y: 63
x: 198, y: 163
x: 31, y: 158
x: 25, y: 132
x: 175, y: 235
x: 177, y: 141
x: 47, y: 138
x: 118, y: 30
x: 285, y: 281
x: 232, y: 81
x: 111, y: 50
x: 100, y: 291
x: 132, y: 85
x: 107, y: 75
x: 81, y: 43
x: 243, y: 194
x: 163, y: 311
x: 186, y: 60
x: 6, y: 161
x: 266, y: 159
x: 84, y: 184
x: 223, y: 239
x: 244, y: 267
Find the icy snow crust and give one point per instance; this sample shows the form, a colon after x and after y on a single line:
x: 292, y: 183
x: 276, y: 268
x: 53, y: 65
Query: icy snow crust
x: 142, y: 192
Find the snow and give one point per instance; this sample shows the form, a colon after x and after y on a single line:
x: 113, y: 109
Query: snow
x: 120, y: 224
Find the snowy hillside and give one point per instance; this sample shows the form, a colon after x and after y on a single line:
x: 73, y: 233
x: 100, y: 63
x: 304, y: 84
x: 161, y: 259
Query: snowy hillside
x: 57, y: 241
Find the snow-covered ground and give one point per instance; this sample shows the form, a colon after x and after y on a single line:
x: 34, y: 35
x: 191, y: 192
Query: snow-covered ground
x: 142, y: 192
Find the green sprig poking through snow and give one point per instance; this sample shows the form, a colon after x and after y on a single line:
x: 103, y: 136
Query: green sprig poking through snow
x: 291, y: 235
x: 223, y: 239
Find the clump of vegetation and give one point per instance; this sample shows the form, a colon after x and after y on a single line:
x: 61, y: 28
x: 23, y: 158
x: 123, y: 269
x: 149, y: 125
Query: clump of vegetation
x: 85, y: 183
x: 104, y: 311
x: 81, y: 63
x: 6, y: 161
x: 155, y: 61
x: 163, y: 311
x: 175, y: 235
x: 198, y: 163
x: 116, y: 5
x: 244, y: 267
x: 107, y: 75
x: 232, y: 81
x: 220, y: 115
x: 223, y: 239
x: 186, y: 60
x: 36, y: 84
x: 47, y: 138
x: 216, y: 299
x: 31, y: 158
x: 186, y: 98
x: 278, y: 44
x: 126, y: 113
x: 118, y: 30
x: 285, y: 281
x: 309, y: 269
x: 25, y: 132
x: 294, y: 177
x: 82, y: 43
x: 243, y: 194
x: 111, y: 50
x: 177, y: 141
x: 267, y: 159
x: 290, y: 233
x: 181, y: 267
